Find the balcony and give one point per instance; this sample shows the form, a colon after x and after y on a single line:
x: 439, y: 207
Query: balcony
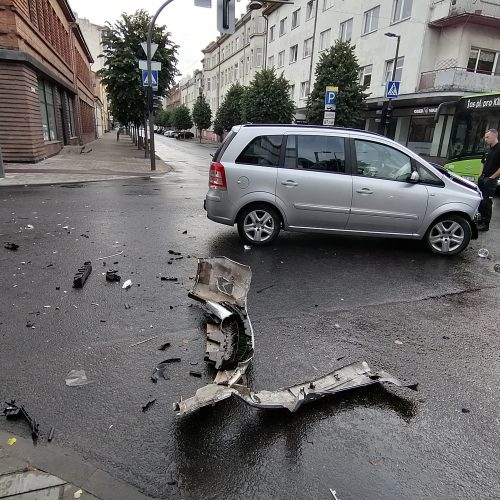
x: 457, y: 79
x: 453, y: 12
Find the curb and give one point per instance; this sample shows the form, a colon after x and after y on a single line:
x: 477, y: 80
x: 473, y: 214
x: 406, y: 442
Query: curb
x: 67, y: 466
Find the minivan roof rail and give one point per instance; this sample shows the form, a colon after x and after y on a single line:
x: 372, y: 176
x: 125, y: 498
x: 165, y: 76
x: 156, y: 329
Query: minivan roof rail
x: 321, y: 127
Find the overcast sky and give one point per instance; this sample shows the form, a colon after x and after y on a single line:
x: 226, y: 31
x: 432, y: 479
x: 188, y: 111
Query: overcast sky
x: 192, y: 27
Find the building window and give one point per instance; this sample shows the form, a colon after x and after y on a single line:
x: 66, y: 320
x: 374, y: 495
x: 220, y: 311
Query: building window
x: 324, y: 39
x: 327, y: 4
x: 310, y: 10
x: 259, y: 25
x: 484, y: 61
x: 258, y: 57
x: 283, y: 26
x: 307, y: 48
x: 295, y: 18
x: 71, y: 115
x: 370, y: 20
x: 345, y: 34
x: 291, y: 91
x: 237, y: 43
x: 242, y: 67
x: 294, y: 49
x: 270, y: 62
x: 47, y: 110
x: 222, y: 55
x: 401, y: 10
x: 272, y: 29
x: 399, y: 69
x: 365, y: 75
x: 281, y: 59
x: 236, y: 71
x: 304, y: 89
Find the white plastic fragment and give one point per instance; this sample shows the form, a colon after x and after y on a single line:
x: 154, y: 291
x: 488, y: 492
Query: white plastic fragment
x: 78, y: 494
x: 127, y: 284
x: 483, y: 252
x: 76, y: 378
x: 398, y: 342
x: 247, y: 247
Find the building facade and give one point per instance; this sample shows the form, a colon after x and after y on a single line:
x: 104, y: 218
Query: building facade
x: 92, y: 33
x: 46, y: 85
x: 448, y: 49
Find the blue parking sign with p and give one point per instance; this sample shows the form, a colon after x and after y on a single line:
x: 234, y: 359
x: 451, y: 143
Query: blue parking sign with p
x: 331, y: 98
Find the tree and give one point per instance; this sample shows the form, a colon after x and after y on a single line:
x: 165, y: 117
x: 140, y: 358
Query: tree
x: 121, y: 73
x: 267, y: 99
x: 231, y: 109
x: 181, y: 118
x: 218, y: 128
x: 164, y: 118
x: 338, y: 66
x: 202, y: 114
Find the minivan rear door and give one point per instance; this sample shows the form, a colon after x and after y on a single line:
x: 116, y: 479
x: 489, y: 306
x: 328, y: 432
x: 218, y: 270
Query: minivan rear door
x: 313, y: 187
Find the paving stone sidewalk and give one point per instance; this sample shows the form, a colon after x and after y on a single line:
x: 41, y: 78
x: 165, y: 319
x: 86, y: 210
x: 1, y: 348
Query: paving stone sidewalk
x: 46, y: 472
x: 102, y: 159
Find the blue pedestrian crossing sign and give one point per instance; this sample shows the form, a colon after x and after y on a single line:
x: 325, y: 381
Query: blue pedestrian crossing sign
x: 392, y: 91
x: 154, y: 78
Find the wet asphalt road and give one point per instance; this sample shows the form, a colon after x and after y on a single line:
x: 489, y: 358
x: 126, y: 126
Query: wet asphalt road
x: 377, y: 443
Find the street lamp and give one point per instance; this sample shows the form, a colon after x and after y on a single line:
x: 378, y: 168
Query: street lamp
x: 394, y: 64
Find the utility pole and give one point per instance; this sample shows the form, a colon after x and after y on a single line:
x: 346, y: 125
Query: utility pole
x: 386, y: 116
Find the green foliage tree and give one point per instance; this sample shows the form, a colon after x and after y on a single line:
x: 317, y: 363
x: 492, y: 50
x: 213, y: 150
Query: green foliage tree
x: 163, y: 118
x: 218, y: 128
x: 338, y: 66
x: 230, y: 111
x: 121, y: 73
x: 202, y: 114
x: 267, y: 99
x: 181, y: 118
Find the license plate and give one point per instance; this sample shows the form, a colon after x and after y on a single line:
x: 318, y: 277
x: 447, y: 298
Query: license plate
x: 469, y: 178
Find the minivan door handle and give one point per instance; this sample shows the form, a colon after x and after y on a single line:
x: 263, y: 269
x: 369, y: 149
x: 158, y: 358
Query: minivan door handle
x: 364, y: 191
x: 289, y: 183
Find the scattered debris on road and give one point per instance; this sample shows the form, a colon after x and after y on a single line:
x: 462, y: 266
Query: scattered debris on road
x: 398, y: 342
x: 165, y: 278
x: 164, y: 346
x: 76, y: 378
x: 247, y: 247
x: 11, y: 441
x: 496, y: 268
x: 51, y: 434
x: 265, y: 288
x: 172, y: 252
x: 82, y: 275
x: 127, y: 284
x: 185, y: 232
x: 148, y: 405
x: 85, y: 235
x: 14, y: 412
x: 127, y: 306
x: 483, y: 252
x: 11, y: 246
x: 112, y: 276
x: 143, y: 341
x: 195, y: 373
x: 222, y: 287
x: 334, y: 494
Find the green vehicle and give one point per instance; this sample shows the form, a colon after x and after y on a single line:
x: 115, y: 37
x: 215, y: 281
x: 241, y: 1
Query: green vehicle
x: 473, y: 116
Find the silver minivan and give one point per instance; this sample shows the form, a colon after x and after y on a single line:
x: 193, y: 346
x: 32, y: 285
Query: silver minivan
x: 336, y: 180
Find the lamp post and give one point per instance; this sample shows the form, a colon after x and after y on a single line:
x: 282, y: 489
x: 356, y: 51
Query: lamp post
x: 394, y: 64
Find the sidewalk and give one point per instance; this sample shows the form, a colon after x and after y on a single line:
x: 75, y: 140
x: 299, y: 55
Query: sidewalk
x: 102, y: 159
x: 50, y: 473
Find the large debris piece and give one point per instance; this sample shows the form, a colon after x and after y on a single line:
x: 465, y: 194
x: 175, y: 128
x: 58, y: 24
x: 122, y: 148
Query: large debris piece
x: 82, y: 275
x: 13, y: 412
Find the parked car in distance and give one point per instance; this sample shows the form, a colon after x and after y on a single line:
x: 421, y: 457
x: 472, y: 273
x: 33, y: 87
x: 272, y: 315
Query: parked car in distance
x: 169, y: 133
x: 265, y: 178
x: 184, y: 135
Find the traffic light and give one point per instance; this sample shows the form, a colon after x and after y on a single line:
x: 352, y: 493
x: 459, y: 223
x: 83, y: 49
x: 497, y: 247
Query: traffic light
x: 226, y: 12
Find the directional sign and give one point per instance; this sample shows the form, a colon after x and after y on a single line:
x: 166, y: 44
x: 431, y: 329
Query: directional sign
x: 329, y: 121
x: 154, y: 78
x: 144, y: 46
x: 155, y: 65
x: 392, y: 91
x: 331, y: 98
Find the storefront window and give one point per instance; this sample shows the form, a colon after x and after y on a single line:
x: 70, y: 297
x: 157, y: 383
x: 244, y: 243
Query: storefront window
x: 421, y: 134
x: 47, y: 110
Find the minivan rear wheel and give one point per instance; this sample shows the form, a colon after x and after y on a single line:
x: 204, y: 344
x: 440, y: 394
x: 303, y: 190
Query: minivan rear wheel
x: 259, y: 225
x: 448, y: 235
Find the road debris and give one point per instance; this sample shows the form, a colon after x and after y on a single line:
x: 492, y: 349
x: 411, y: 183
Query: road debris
x: 483, y: 252
x: 127, y: 306
x: 465, y: 410
x: 185, y: 232
x: 265, y: 288
x: 14, y: 412
x: 398, y: 342
x: 109, y: 256
x: 165, y: 278
x: 112, y: 276
x: 195, y: 373
x: 148, y: 405
x: 82, y: 275
x: 247, y: 247
x: 127, y: 284
x: 51, y: 434
x: 11, y: 246
x: 76, y: 378
x: 30, y: 324
x: 222, y: 286
x: 496, y: 268
x: 161, y: 369
x: 11, y: 441
x: 171, y: 252
x: 143, y: 341
x: 78, y: 494
x: 164, y: 346
x: 334, y: 494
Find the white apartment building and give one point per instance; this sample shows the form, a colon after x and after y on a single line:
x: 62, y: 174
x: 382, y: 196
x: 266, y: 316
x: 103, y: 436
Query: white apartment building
x: 448, y: 48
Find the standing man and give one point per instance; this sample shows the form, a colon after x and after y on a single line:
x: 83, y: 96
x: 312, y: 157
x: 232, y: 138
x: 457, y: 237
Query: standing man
x: 487, y: 182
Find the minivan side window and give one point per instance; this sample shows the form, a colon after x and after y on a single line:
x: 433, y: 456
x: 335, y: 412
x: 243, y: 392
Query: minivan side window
x: 263, y: 150
x: 315, y: 152
x: 381, y: 161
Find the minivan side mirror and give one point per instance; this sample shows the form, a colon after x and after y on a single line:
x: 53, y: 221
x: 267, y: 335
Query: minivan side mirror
x: 414, y: 177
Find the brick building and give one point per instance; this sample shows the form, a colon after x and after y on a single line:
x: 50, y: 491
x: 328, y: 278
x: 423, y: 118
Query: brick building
x: 46, y: 85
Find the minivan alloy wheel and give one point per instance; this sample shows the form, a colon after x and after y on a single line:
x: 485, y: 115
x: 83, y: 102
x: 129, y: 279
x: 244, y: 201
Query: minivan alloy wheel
x: 449, y: 235
x: 259, y: 225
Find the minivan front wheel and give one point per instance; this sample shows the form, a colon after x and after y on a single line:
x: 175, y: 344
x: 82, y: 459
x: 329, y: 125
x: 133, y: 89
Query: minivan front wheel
x: 448, y: 235
x: 259, y: 225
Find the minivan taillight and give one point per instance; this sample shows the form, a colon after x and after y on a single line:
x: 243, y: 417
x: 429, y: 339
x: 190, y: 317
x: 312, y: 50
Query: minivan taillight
x: 217, y: 177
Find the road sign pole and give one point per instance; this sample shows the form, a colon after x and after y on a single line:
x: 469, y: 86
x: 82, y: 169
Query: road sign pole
x: 152, y: 152
x: 394, y: 64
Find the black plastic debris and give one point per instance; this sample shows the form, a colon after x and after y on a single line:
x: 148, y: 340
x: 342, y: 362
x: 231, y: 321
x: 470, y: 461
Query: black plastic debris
x: 127, y: 306
x: 14, y: 412
x: 164, y: 346
x: 172, y: 252
x: 82, y: 275
x: 161, y: 369
x: 195, y: 373
x: 165, y: 278
x: 112, y: 276
x: 51, y: 434
x: 148, y: 405
x: 85, y: 235
x: 12, y: 246
x: 30, y: 324
x: 185, y: 232
x: 465, y: 410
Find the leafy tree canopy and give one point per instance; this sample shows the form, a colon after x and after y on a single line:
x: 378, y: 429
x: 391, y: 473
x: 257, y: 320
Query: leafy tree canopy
x: 181, y: 118
x: 202, y: 114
